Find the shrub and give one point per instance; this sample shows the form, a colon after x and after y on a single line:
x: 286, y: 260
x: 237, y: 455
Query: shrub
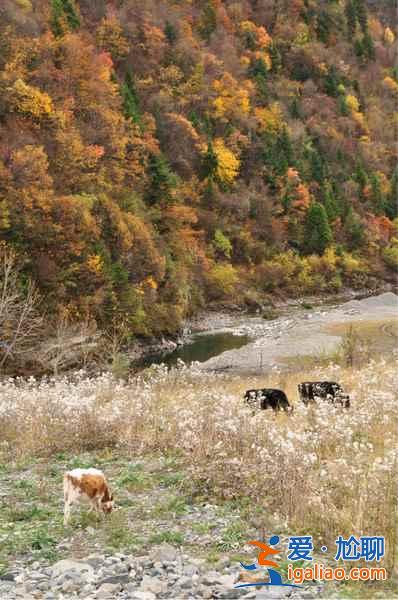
x: 390, y: 255
x: 222, y: 280
x: 222, y: 244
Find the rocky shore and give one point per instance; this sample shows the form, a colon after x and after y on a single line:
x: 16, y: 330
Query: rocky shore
x: 262, y: 320
x: 165, y: 573
x: 314, y: 330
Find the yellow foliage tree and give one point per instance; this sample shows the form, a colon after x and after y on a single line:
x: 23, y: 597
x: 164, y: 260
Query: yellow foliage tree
x: 30, y: 100
x: 228, y: 163
x: 258, y: 35
x: 110, y: 37
x: 389, y: 37
x: 95, y: 263
x: 257, y: 41
x: 232, y: 101
x: 270, y: 119
x: 390, y: 84
x: 352, y: 103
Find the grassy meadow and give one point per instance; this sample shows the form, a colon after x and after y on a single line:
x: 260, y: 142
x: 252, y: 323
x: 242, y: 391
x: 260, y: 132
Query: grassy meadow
x: 173, y: 442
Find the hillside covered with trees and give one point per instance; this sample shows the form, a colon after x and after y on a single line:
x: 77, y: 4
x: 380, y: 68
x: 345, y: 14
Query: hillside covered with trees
x: 158, y: 155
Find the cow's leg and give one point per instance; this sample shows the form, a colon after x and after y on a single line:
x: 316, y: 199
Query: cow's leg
x: 71, y: 496
x: 68, y: 492
x: 96, y: 505
x: 67, y: 511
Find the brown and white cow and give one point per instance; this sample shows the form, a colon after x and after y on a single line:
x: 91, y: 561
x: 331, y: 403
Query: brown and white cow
x: 86, y: 484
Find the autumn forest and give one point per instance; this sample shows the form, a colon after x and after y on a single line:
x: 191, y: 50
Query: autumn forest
x: 157, y: 155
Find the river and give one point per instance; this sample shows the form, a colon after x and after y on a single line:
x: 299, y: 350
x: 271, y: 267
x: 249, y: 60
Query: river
x: 250, y: 344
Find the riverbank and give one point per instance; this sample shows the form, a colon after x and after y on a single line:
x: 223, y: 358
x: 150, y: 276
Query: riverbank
x: 243, y: 326
x: 299, y: 333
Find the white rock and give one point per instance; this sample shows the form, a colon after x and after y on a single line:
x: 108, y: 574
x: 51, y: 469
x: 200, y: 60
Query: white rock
x: 164, y: 553
x: 151, y: 584
x: 78, y: 567
x: 108, y: 590
x: 140, y: 595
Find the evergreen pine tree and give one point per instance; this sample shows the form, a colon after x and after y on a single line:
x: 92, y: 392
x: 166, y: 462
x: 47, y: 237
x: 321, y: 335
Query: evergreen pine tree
x: 330, y: 202
x: 361, y: 178
x: 295, y: 108
x: 259, y: 72
x: 284, y: 150
x: 317, y: 232
x: 317, y: 166
x: 343, y: 108
x: 130, y: 99
x: 362, y: 14
x: 162, y: 179
x: 391, y: 204
x: 324, y: 24
x: 63, y: 12
x: 358, y: 48
x: 332, y: 82
x: 170, y: 33
x: 354, y: 230
x: 377, y: 194
x: 71, y: 16
x: 208, y: 22
x: 209, y: 163
x: 276, y: 58
x: 351, y: 17
x: 368, y: 46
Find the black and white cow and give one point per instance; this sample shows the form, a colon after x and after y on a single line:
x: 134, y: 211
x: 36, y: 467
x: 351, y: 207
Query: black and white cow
x: 331, y: 391
x: 268, y: 398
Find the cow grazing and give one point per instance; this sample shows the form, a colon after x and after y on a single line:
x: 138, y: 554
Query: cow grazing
x: 331, y: 391
x: 86, y: 484
x: 268, y: 398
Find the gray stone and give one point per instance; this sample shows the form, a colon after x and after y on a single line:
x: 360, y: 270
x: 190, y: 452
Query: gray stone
x: 108, y: 590
x: 72, y: 567
x: 205, y: 592
x: 211, y: 577
x: 43, y: 586
x: 120, y: 579
x: 273, y: 593
x: 8, y: 576
x: 232, y: 593
x: 165, y: 553
x: 151, y: 584
x: 95, y: 560
x: 184, y: 582
x: 190, y: 570
x: 6, y: 587
x: 227, y: 581
x: 70, y: 586
x: 120, y: 556
x: 223, y: 563
x: 140, y: 595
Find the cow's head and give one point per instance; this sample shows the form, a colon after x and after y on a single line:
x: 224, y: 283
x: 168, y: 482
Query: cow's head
x: 344, y: 400
x: 108, y: 505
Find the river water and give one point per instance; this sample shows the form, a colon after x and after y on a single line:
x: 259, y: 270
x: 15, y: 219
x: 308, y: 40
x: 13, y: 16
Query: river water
x: 250, y: 344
